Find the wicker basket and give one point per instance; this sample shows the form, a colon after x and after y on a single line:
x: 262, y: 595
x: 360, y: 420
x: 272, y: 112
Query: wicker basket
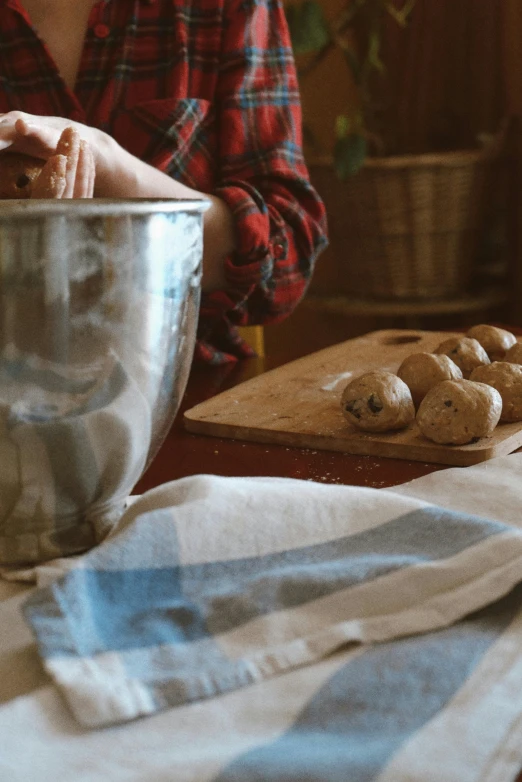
x: 408, y: 227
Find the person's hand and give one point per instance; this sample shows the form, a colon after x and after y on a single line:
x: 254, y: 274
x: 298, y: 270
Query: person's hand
x: 70, y: 172
x: 70, y: 168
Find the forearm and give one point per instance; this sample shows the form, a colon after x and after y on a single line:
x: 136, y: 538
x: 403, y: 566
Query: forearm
x: 121, y: 175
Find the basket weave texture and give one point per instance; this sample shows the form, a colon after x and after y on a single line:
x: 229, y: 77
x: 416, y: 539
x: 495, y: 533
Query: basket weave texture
x: 408, y: 227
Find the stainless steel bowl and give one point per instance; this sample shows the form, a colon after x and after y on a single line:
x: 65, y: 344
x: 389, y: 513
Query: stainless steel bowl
x: 98, y: 314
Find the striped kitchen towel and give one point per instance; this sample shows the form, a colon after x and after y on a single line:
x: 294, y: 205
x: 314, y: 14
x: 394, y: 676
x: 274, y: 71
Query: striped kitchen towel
x: 211, y: 585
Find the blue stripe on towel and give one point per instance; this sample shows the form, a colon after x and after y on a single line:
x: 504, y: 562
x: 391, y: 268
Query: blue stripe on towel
x: 89, y: 611
x: 239, y: 590
x: 373, y: 705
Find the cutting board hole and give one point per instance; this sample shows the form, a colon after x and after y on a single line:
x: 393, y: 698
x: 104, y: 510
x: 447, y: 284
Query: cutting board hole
x: 402, y: 340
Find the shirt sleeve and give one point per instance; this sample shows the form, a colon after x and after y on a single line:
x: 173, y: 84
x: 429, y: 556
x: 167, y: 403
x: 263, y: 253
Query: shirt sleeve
x: 280, y: 220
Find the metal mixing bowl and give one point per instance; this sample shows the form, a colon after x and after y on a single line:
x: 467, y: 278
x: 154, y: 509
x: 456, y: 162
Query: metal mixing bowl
x: 98, y: 314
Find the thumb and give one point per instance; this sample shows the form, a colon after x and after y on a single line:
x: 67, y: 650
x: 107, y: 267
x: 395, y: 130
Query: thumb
x: 35, y: 139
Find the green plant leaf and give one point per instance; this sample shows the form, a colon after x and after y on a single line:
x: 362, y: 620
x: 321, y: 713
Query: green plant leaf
x: 342, y: 126
x: 349, y: 155
x: 308, y: 29
x: 401, y: 15
x: 374, y: 48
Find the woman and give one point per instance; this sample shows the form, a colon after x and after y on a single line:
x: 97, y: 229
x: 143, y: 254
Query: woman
x: 176, y: 99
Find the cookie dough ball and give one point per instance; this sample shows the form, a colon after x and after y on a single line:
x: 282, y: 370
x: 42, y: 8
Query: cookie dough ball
x: 514, y: 354
x: 421, y: 371
x: 466, y: 352
x: 456, y: 412
x: 507, y: 379
x: 495, y: 341
x: 18, y: 174
x: 378, y: 401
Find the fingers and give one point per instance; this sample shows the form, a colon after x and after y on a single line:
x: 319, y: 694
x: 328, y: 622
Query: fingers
x: 69, y: 146
x: 70, y: 173
x: 7, y: 132
x: 39, y: 140
x: 85, y: 173
x: 46, y: 137
x: 52, y: 180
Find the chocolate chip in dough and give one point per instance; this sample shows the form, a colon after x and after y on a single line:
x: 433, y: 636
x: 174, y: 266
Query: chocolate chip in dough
x: 22, y: 181
x: 351, y: 407
x: 375, y: 404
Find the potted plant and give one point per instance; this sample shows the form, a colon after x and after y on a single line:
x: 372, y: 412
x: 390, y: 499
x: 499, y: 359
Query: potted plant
x: 411, y: 222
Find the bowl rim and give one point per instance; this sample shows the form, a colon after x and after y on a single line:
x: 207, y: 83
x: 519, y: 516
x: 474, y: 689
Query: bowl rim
x: 98, y: 207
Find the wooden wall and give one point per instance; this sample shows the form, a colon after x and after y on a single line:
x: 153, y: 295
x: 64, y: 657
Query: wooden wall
x: 447, y: 73
x: 444, y: 81
x: 511, y: 47
x: 454, y: 73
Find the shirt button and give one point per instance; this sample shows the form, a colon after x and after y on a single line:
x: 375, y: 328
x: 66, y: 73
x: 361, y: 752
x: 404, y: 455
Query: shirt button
x: 101, y: 30
x: 279, y: 250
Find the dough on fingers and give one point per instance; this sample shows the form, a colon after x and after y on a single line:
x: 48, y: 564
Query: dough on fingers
x: 466, y: 352
x: 24, y: 176
x: 494, y: 340
x: 51, y: 182
x: 69, y: 146
x: 421, y: 371
x: 457, y: 412
x: 507, y: 379
x: 378, y: 401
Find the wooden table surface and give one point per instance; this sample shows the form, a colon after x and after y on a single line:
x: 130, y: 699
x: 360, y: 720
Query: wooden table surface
x: 185, y: 454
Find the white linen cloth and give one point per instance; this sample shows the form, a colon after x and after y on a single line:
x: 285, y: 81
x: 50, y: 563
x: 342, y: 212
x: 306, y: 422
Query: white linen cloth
x: 279, y: 630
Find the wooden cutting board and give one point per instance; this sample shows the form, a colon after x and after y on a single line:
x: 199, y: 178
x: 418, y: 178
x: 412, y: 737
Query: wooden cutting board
x: 298, y: 404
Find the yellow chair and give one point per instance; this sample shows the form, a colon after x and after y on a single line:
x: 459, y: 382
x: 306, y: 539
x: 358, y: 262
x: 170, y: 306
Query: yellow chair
x: 254, y: 336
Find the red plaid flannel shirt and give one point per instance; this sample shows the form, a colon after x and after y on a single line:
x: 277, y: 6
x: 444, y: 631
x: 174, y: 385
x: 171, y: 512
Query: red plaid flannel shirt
x: 206, y: 91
